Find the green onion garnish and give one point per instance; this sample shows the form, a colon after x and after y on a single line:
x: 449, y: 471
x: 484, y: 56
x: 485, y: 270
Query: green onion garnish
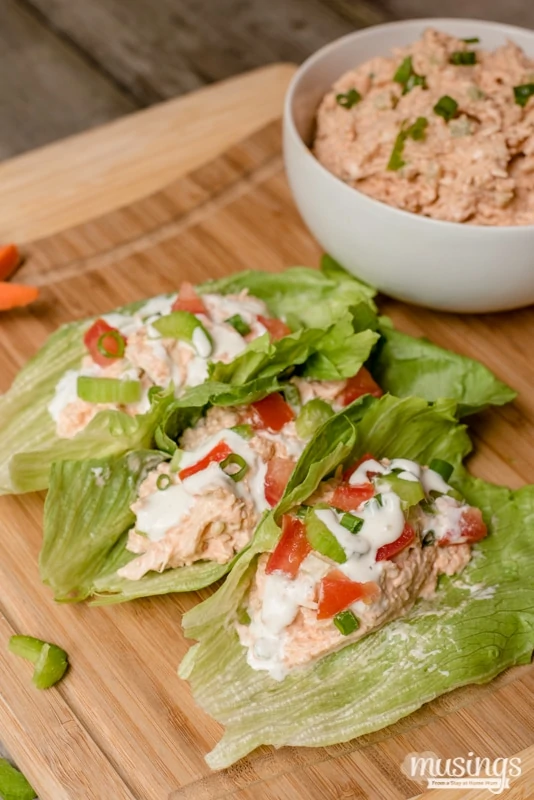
x: 229, y: 464
x: 13, y: 784
x: 471, y: 40
x: 301, y: 512
x: 351, y: 523
x: 346, y: 622
x: 522, y: 93
x: 115, y: 348
x: 163, y: 482
x: 174, y: 465
x: 404, y: 71
x: 446, y: 107
x: 50, y: 661
x: 349, y: 99
x: 428, y: 539
x: 108, y: 390
x: 239, y: 324
x: 465, y: 58
x: 246, y: 431
x: 378, y: 498
x: 407, y: 77
x: 443, y: 468
x: 312, y: 415
x: 243, y: 617
x: 416, y: 131
x: 183, y: 325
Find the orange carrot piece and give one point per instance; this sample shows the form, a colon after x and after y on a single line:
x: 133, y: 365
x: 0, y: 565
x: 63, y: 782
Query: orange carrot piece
x: 9, y: 260
x: 16, y: 294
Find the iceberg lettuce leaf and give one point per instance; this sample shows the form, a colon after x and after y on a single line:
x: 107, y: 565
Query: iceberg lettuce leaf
x: 477, y: 625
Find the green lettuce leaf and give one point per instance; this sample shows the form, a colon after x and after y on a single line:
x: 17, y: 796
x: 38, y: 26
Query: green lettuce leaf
x: 478, y: 624
x: 404, y: 366
x: 303, y: 297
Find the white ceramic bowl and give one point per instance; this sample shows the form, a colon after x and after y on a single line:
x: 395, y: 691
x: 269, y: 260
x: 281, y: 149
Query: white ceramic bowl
x: 443, y: 265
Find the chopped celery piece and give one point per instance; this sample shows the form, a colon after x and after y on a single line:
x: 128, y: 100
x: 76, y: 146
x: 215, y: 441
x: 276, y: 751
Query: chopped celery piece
x: 50, y: 660
x: 312, y: 416
x: 322, y: 539
x: 108, y: 390
x: 346, y: 622
x: 351, y: 523
x: 246, y: 431
x: 238, y: 323
x: 187, y: 327
x: 174, y: 466
x: 443, y: 468
x: 410, y: 492
x: 13, y: 784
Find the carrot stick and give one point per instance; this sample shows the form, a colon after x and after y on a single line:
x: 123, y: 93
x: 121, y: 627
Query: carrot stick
x: 9, y: 260
x: 16, y: 294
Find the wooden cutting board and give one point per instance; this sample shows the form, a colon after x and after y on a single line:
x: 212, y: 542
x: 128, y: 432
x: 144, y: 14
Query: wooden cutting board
x: 121, y: 724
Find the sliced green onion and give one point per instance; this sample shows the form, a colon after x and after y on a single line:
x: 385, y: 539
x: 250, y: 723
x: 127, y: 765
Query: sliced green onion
x: 312, y: 415
x: 292, y: 395
x: 465, y: 58
x: 13, y: 784
x: 239, y: 324
x: 346, y: 622
x: 416, y: 131
x: 322, y: 539
x: 522, y: 93
x: 301, y: 512
x: 443, y: 468
x: 428, y: 539
x: 378, y: 498
x: 446, y: 107
x: 407, y: 77
x: 120, y: 343
x: 245, y: 431
x: 108, y: 390
x: 50, y: 661
x: 174, y: 465
x: 183, y: 325
x: 349, y: 99
x: 243, y: 617
x: 351, y: 523
x: 471, y: 40
x: 427, y: 508
x: 231, y: 461
x: 404, y: 71
x: 163, y: 482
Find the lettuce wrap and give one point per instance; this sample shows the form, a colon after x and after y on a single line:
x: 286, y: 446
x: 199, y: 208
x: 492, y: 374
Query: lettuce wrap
x: 87, y: 510
x: 28, y: 439
x: 478, y: 623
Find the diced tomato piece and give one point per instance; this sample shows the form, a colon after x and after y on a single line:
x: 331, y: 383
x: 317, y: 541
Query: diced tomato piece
x: 291, y: 550
x: 218, y: 454
x: 387, y: 551
x: 188, y: 300
x: 351, y: 470
x: 337, y: 592
x: 349, y: 498
x: 272, y: 412
x: 114, y: 345
x: 472, y: 529
x: 360, y: 384
x: 278, y: 473
x: 277, y: 328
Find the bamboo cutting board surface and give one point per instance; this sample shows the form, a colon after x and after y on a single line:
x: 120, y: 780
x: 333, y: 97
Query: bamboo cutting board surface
x: 122, y: 725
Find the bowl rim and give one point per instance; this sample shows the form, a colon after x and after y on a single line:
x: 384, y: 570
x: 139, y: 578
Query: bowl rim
x: 330, y: 47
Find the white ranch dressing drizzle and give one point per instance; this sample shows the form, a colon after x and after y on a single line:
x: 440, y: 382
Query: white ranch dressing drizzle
x: 164, y: 509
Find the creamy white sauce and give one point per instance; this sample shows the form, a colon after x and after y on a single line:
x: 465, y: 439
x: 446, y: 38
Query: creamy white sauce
x: 288, y: 437
x: 201, y: 343
x: 359, y: 476
x: 446, y: 520
x: 433, y: 482
x: 382, y: 524
x: 281, y: 600
x: 66, y: 392
x: 222, y: 307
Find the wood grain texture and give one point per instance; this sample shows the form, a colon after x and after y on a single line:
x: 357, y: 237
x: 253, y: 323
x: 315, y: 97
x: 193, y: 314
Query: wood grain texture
x: 162, y: 49
x: 97, y: 172
x: 47, y: 90
x: 126, y: 703
x: 513, y: 12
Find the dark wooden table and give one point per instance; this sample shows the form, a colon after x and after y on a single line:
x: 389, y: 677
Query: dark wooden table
x: 68, y: 65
